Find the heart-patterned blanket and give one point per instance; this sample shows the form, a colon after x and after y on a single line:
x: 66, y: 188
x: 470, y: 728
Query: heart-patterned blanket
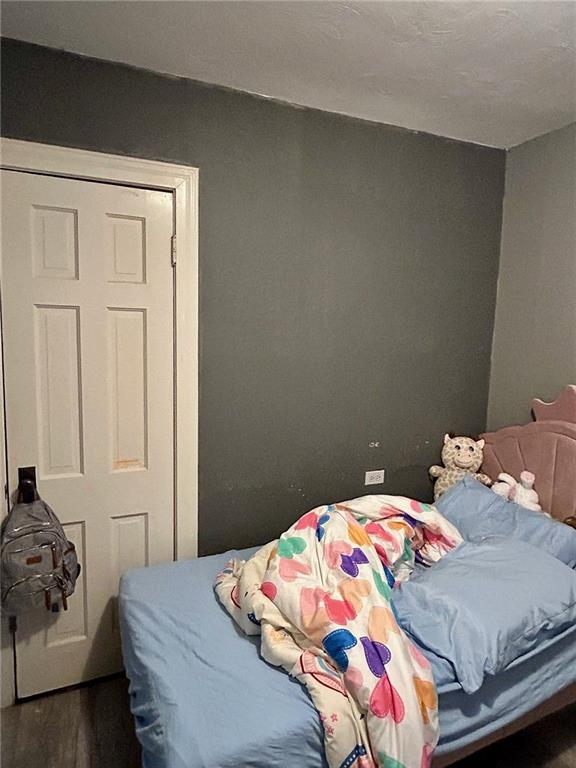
x: 320, y: 598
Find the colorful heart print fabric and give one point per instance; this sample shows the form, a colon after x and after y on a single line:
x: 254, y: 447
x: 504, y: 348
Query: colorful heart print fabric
x: 319, y: 597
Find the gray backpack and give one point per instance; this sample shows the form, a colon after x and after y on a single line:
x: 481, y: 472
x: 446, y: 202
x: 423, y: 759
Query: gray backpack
x: 39, y: 564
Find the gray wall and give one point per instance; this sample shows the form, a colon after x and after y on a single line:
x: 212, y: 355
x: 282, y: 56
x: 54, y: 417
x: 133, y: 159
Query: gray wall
x: 534, y: 350
x: 347, y: 280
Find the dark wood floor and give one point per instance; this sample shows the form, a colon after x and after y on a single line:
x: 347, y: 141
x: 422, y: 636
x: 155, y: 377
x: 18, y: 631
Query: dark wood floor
x: 91, y: 727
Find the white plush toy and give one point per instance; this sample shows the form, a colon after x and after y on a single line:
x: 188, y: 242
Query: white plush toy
x: 522, y: 492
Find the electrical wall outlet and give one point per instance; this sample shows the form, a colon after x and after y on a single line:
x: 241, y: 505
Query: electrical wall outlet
x: 374, y: 477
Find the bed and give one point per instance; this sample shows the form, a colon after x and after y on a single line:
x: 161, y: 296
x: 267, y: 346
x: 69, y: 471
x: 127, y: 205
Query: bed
x: 544, y: 447
x: 202, y: 697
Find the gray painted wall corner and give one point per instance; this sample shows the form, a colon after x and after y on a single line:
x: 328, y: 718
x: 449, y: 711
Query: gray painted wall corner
x: 347, y: 280
x: 534, y: 349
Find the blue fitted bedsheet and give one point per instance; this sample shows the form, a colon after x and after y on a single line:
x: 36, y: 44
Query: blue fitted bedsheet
x: 202, y: 697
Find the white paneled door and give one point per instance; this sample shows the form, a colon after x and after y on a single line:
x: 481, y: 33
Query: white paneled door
x: 87, y: 292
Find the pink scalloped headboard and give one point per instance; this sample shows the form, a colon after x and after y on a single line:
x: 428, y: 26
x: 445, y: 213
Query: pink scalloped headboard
x: 546, y: 447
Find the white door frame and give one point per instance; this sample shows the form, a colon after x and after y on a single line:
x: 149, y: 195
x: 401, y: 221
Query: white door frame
x: 182, y: 181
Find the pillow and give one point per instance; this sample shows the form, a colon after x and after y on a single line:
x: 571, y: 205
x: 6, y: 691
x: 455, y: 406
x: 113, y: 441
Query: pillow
x: 484, y: 605
x: 478, y: 512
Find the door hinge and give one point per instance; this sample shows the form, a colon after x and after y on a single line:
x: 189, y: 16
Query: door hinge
x: 173, y: 251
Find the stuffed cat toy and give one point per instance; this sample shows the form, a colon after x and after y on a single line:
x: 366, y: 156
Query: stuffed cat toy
x: 461, y: 456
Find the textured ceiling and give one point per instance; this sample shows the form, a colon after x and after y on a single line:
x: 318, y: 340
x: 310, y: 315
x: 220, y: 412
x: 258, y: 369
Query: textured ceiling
x: 487, y: 72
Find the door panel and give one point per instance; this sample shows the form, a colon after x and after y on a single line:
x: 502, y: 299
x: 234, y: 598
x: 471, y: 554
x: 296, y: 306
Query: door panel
x: 88, y: 341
